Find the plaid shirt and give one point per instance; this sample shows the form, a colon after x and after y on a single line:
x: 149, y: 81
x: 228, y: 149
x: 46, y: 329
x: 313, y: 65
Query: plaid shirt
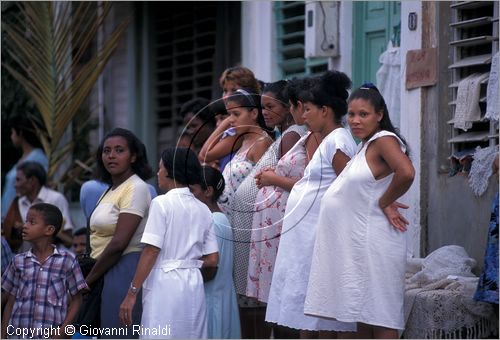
x: 6, y: 254
x: 41, y: 289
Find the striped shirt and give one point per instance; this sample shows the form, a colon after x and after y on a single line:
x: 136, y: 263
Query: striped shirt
x: 41, y: 289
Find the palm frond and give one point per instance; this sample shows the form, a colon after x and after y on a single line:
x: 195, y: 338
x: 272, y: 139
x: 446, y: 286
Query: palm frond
x: 48, y: 44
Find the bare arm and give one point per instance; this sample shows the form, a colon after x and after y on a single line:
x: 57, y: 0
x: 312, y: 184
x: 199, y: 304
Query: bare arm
x: 146, y: 263
x: 215, y: 147
x: 7, y: 313
x: 258, y: 149
x: 269, y: 177
x: 400, y: 164
x: 125, y: 228
x: 209, y: 267
x: 389, y: 150
x: 287, y: 142
x: 210, y: 260
x: 74, y: 306
x: 339, y: 161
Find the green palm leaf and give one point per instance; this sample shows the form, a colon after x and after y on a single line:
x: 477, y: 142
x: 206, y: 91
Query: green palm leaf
x: 48, y: 44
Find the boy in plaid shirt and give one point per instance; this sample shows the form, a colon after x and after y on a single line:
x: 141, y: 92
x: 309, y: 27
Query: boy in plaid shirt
x: 38, y: 281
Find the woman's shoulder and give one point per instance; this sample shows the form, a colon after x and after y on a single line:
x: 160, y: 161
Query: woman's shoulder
x: 338, y: 139
x: 384, y: 136
x: 135, y: 186
x: 222, y: 226
x: 263, y: 141
x: 220, y: 218
x: 138, y: 182
x: 258, y: 148
x: 37, y: 155
x: 298, y: 129
x: 341, y: 132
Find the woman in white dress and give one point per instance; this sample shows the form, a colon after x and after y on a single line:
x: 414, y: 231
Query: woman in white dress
x: 180, y: 239
x: 358, y: 268
x: 325, y: 105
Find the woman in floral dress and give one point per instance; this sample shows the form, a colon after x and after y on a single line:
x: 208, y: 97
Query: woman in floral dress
x: 246, y: 118
x: 270, y: 203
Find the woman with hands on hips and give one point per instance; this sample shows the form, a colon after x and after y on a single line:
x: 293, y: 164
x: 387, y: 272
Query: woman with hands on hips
x: 360, y: 248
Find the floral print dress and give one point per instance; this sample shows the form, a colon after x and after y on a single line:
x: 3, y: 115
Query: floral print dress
x: 234, y: 173
x: 270, y: 207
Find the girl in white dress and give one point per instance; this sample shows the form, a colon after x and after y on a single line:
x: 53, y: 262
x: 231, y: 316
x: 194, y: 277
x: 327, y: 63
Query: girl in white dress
x: 325, y: 105
x: 180, y: 239
x: 358, y: 267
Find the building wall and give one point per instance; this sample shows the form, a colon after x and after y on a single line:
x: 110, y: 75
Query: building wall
x: 411, y: 122
x: 344, y: 61
x: 258, y: 39
x: 110, y: 98
x: 451, y: 214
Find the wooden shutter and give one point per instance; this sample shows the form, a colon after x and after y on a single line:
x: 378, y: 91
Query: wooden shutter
x: 473, y: 42
x: 290, y: 21
x: 185, y: 37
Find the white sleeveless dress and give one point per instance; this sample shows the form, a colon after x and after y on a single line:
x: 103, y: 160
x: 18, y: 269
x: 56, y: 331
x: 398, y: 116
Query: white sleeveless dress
x: 358, y: 266
x: 293, y: 261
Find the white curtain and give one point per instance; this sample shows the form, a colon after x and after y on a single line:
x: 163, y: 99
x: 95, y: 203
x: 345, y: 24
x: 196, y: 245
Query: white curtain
x: 389, y: 81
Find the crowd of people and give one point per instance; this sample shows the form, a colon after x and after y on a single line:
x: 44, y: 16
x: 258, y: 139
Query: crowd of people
x: 279, y: 217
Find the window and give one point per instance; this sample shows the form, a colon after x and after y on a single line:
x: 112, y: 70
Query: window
x: 290, y: 20
x: 473, y: 42
x: 185, y: 36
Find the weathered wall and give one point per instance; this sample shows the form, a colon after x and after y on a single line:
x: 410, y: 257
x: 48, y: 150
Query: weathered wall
x: 450, y: 213
x: 411, y: 123
x: 258, y: 39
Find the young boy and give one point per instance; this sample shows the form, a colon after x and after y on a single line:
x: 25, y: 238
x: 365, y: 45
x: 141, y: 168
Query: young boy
x: 79, y: 241
x: 37, y: 281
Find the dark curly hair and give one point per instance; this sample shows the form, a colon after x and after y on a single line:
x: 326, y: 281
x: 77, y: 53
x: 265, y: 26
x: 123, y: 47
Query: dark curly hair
x: 182, y: 165
x: 140, y: 167
x: 278, y: 89
x: 329, y: 89
x: 295, y: 87
x: 212, y: 177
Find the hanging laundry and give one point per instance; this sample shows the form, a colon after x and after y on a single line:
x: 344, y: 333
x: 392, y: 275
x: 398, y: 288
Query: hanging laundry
x: 492, y: 91
x: 467, y: 109
x: 389, y: 81
x: 482, y: 169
